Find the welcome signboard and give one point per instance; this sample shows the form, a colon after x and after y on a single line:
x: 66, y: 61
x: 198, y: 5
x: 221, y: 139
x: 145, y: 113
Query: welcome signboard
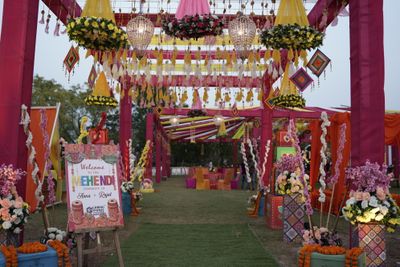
x: 92, y: 178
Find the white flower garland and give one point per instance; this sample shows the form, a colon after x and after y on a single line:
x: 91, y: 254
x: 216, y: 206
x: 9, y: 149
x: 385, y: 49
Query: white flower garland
x: 25, y: 121
x: 267, y: 148
x: 325, y: 123
x: 246, y: 165
x: 253, y: 156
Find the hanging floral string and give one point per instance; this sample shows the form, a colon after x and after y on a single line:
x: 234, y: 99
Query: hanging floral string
x: 25, y: 121
x: 141, y: 163
x: 267, y: 148
x: 295, y: 141
x: 322, y: 197
x: 253, y: 156
x: 48, y: 164
x: 335, y: 177
x: 246, y: 165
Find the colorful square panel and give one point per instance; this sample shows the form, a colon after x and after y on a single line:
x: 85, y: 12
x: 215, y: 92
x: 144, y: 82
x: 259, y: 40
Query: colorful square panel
x: 92, y: 77
x: 318, y: 62
x: 301, y: 79
x: 71, y: 59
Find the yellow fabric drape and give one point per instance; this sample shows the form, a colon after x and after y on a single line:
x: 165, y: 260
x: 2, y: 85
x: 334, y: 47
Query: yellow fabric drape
x: 291, y: 12
x: 101, y: 87
x: 98, y: 8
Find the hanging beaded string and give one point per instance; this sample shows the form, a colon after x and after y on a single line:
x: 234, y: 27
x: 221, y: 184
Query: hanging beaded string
x: 322, y: 197
x: 46, y: 28
x: 253, y: 156
x: 244, y: 157
x: 265, y: 161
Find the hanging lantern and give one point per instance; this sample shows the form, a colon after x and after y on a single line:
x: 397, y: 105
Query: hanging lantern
x: 140, y: 30
x: 242, y: 31
x: 218, y: 119
x: 174, y: 120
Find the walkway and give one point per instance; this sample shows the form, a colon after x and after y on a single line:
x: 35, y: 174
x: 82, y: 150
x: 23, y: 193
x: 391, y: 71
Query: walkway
x: 182, y: 227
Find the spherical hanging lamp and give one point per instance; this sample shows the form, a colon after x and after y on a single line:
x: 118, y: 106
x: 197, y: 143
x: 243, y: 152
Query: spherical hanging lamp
x: 218, y: 119
x: 140, y: 30
x: 242, y: 31
x: 174, y: 120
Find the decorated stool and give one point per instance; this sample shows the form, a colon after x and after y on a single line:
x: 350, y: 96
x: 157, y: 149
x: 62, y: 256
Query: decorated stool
x: 274, y: 211
x: 371, y: 238
x: 293, y: 218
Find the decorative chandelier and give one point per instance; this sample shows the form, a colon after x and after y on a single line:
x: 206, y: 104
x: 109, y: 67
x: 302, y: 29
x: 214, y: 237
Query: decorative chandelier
x: 140, y: 30
x: 242, y: 31
x: 174, y: 121
x: 218, y: 119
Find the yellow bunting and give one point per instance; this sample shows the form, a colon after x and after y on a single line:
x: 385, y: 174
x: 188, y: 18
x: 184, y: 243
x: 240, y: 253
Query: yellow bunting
x: 125, y: 55
x: 205, y: 96
x: 222, y: 129
x: 174, y: 56
x: 258, y: 56
x: 174, y: 97
x: 149, y: 93
x: 276, y: 55
x: 184, y: 97
x: 198, y: 54
x: 143, y: 61
x: 218, y: 53
x: 296, y: 58
x: 134, y: 57
x: 303, y: 55
x: 251, y: 57
x: 206, y: 60
x: 234, y: 57
x: 228, y: 59
x: 239, y: 96
x: 267, y: 55
x: 291, y: 12
x: 98, y: 8
x: 290, y: 54
x: 227, y: 98
x: 218, y: 95
x: 160, y: 58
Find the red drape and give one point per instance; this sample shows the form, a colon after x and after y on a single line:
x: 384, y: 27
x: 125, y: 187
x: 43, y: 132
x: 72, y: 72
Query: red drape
x: 315, y: 128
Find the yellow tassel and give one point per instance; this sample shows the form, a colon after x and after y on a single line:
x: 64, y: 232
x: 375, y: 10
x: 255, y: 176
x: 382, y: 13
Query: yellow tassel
x: 174, y: 56
x: 174, y: 97
x: 228, y: 59
x: 227, y: 98
x: 303, y: 55
x: 206, y: 60
x: 134, y: 57
x: 249, y: 96
x: 296, y: 58
x: 251, y: 57
x: 258, y: 56
x: 149, y: 93
x: 267, y: 55
x: 160, y: 58
x: 88, y: 53
x: 110, y: 58
x: 260, y: 94
x: 218, y: 95
x: 290, y: 54
x: 234, y: 57
x: 218, y: 53
x: 118, y: 88
x: 143, y: 61
x: 276, y: 56
x: 198, y: 55
x: 205, y: 96
x: 239, y: 96
x: 222, y: 129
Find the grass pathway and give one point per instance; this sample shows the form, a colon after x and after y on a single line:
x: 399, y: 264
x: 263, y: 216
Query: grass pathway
x: 181, y: 227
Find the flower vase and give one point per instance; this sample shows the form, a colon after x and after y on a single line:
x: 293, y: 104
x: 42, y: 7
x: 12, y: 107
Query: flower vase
x: 371, y: 238
x: 126, y: 203
x: 293, y: 217
x: 11, y: 239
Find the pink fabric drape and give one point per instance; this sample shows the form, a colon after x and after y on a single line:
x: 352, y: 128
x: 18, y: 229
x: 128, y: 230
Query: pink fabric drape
x: 17, y: 57
x: 367, y: 81
x: 158, y: 155
x: 192, y: 7
x: 149, y: 136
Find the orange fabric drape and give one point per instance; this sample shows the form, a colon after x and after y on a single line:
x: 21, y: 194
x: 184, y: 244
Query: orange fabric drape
x: 392, y: 129
x: 316, y: 145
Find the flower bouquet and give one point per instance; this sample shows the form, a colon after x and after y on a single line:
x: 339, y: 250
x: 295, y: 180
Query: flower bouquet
x: 196, y: 26
x: 96, y: 33
x: 53, y: 233
x: 321, y: 236
x: 288, y: 180
x: 370, y: 201
x: 14, y: 211
x: 292, y: 36
x: 127, y: 187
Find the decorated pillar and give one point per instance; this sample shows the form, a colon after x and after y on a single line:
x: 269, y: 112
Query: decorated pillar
x: 17, y: 56
x: 125, y: 124
x: 149, y: 137
x: 158, y: 155
x: 367, y: 81
x: 169, y: 170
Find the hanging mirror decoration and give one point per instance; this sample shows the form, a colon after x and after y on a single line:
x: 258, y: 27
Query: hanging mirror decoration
x: 140, y: 30
x: 242, y: 31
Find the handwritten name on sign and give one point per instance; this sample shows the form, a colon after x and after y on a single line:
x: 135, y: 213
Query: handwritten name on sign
x: 94, y: 198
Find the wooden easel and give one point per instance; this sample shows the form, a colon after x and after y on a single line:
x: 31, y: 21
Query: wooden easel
x: 84, y: 250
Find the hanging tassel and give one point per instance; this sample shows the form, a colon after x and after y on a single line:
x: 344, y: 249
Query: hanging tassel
x: 46, y: 29
x: 41, y: 21
x: 222, y: 129
x: 57, y: 28
x: 276, y: 56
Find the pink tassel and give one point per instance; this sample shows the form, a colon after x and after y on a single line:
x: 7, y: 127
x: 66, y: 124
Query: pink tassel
x: 57, y: 29
x: 41, y: 21
x: 64, y: 31
x: 46, y: 29
x: 324, y: 20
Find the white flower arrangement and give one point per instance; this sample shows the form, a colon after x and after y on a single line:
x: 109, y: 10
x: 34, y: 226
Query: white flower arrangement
x: 54, y: 233
x: 127, y: 187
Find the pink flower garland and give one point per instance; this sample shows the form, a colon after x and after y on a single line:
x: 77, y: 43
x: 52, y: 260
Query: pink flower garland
x: 49, y: 165
x: 342, y: 141
x: 295, y: 141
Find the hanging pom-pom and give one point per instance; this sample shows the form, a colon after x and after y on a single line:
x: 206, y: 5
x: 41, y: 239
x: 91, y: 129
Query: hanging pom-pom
x: 41, y: 21
x: 46, y: 29
x: 57, y: 28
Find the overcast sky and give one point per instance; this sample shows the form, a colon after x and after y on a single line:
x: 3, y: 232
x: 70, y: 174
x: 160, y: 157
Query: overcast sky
x: 333, y: 91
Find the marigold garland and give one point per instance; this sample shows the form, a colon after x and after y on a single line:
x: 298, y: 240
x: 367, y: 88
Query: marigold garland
x: 307, y: 250
x: 289, y: 101
x: 10, y: 254
x: 33, y: 247
x: 62, y: 253
x: 101, y: 101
